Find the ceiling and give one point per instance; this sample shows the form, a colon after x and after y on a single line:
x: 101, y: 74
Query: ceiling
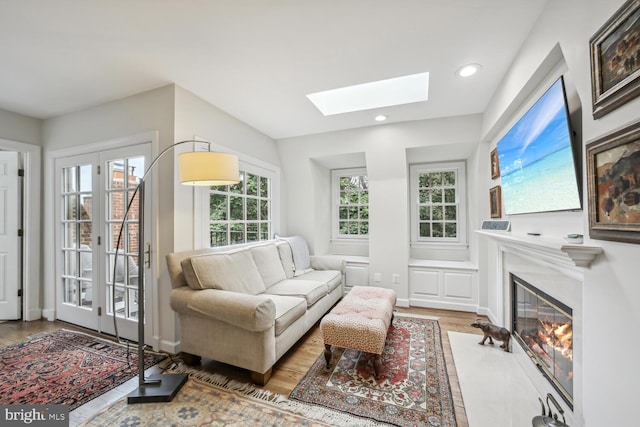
x: 257, y: 59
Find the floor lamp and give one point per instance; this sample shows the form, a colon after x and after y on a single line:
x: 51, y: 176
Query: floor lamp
x: 204, y: 168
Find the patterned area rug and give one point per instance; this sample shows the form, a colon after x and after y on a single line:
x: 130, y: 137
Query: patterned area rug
x: 65, y: 367
x: 413, y: 388
x: 213, y: 400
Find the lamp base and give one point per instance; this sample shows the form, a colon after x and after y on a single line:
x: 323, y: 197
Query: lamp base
x: 163, y: 388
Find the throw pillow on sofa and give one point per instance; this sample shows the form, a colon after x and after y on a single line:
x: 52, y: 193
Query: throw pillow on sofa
x: 300, y: 251
x: 230, y: 272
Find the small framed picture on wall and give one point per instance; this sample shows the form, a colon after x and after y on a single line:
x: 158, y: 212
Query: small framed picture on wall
x: 615, y: 60
x: 495, y: 166
x: 495, y: 202
x: 613, y: 179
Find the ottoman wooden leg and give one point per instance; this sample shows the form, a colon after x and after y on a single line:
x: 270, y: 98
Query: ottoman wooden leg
x: 377, y: 365
x: 327, y: 354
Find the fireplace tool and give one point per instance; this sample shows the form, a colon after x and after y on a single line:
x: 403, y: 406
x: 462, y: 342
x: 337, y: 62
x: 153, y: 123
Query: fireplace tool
x: 549, y: 419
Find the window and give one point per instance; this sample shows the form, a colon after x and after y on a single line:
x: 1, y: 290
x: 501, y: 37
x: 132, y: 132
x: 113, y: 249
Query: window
x: 241, y: 212
x: 351, y: 203
x: 438, y: 196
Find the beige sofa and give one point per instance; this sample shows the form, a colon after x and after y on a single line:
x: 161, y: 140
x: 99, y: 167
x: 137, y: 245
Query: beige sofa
x: 246, y: 305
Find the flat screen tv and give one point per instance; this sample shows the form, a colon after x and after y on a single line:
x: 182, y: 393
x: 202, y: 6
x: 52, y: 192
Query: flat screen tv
x: 538, y: 170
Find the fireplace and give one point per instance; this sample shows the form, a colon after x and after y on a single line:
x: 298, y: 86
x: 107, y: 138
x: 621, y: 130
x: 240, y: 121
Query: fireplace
x: 543, y: 326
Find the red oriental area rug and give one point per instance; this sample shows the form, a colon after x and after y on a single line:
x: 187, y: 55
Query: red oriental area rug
x: 412, y: 390
x: 65, y: 367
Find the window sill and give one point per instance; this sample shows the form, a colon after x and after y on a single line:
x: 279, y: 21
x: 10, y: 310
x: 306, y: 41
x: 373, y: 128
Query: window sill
x: 440, y: 245
x: 442, y: 264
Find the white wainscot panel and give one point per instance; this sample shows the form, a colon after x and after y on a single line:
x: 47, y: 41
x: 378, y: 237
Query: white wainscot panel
x: 356, y: 274
x: 445, y: 288
x: 458, y: 285
x: 424, y: 283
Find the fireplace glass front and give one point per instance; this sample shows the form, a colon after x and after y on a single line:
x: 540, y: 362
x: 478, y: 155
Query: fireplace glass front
x: 543, y: 326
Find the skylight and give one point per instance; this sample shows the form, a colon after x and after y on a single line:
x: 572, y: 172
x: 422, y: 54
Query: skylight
x: 366, y: 96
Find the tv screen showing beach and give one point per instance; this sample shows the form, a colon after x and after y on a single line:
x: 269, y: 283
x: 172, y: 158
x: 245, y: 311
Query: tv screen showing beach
x: 537, y: 169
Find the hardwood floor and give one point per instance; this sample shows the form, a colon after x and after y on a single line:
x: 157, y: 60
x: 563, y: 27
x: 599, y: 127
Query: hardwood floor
x: 292, y: 367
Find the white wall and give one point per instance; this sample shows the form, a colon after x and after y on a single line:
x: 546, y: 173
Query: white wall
x: 24, y: 134
x: 388, y: 150
x: 20, y: 128
x: 611, y: 295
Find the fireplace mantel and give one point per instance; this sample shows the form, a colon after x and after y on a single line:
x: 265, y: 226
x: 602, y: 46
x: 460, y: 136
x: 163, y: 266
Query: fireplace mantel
x: 552, y: 248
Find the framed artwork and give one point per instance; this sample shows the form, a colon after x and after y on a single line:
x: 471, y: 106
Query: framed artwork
x: 495, y: 166
x: 615, y: 60
x: 495, y: 202
x: 613, y: 179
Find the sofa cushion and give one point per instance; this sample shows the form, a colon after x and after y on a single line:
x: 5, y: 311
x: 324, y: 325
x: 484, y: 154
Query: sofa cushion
x: 310, y: 290
x: 288, y: 310
x: 269, y: 265
x: 250, y: 312
x: 331, y: 277
x: 236, y: 271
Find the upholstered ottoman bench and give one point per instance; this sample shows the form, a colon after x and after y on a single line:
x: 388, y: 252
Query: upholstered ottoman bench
x: 360, y: 322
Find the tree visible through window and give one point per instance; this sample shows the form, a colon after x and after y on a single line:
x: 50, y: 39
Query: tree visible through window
x: 241, y: 212
x: 351, y: 189
x: 437, y: 207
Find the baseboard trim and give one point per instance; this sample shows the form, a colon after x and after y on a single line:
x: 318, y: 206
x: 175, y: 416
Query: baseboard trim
x: 444, y: 305
x: 172, y: 347
x: 403, y: 302
x: 33, y: 314
x: 49, y: 314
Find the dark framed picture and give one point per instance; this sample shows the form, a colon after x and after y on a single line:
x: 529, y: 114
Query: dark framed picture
x: 613, y: 180
x: 495, y: 202
x: 495, y: 166
x: 615, y: 60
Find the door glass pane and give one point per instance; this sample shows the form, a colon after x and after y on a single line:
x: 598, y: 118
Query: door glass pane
x: 70, y: 204
x: 70, y: 263
x: 86, y: 293
x: 132, y: 306
x: 70, y: 291
x: 86, y: 208
x: 69, y: 182
x: 69, y: 230
x: 132, y: 241
x: 85, y: 178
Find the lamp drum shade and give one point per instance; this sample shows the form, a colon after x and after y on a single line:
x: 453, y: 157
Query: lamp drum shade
x: 208, y: 168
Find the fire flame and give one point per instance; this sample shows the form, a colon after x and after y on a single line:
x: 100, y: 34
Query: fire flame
x: 559, y: 336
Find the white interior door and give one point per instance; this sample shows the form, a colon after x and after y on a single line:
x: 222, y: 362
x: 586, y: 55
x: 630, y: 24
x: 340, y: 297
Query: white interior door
x: 10, y: 247
x: 94, y: 192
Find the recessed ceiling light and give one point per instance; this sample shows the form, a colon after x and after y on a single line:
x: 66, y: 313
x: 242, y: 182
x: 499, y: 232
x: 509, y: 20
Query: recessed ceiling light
x: 468, y: 70
x: 366, y: 96
x: 380, y: 118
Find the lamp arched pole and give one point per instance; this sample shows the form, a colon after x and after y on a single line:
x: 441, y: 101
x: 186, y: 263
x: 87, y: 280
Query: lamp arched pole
x: 164, y: 387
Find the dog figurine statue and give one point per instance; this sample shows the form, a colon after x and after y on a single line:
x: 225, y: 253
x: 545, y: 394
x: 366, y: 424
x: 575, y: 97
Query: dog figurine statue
x: 492, y: 332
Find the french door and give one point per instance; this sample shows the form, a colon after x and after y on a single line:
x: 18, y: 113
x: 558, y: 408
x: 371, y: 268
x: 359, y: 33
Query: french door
x: 93, y: 193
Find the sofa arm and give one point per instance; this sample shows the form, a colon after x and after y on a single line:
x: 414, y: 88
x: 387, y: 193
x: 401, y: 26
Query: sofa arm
x: 328, y: 262
x: 253, y: 313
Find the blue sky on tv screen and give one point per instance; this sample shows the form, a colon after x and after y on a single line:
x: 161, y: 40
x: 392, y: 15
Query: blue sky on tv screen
x: 542, y: 131
x: 537, y: 171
